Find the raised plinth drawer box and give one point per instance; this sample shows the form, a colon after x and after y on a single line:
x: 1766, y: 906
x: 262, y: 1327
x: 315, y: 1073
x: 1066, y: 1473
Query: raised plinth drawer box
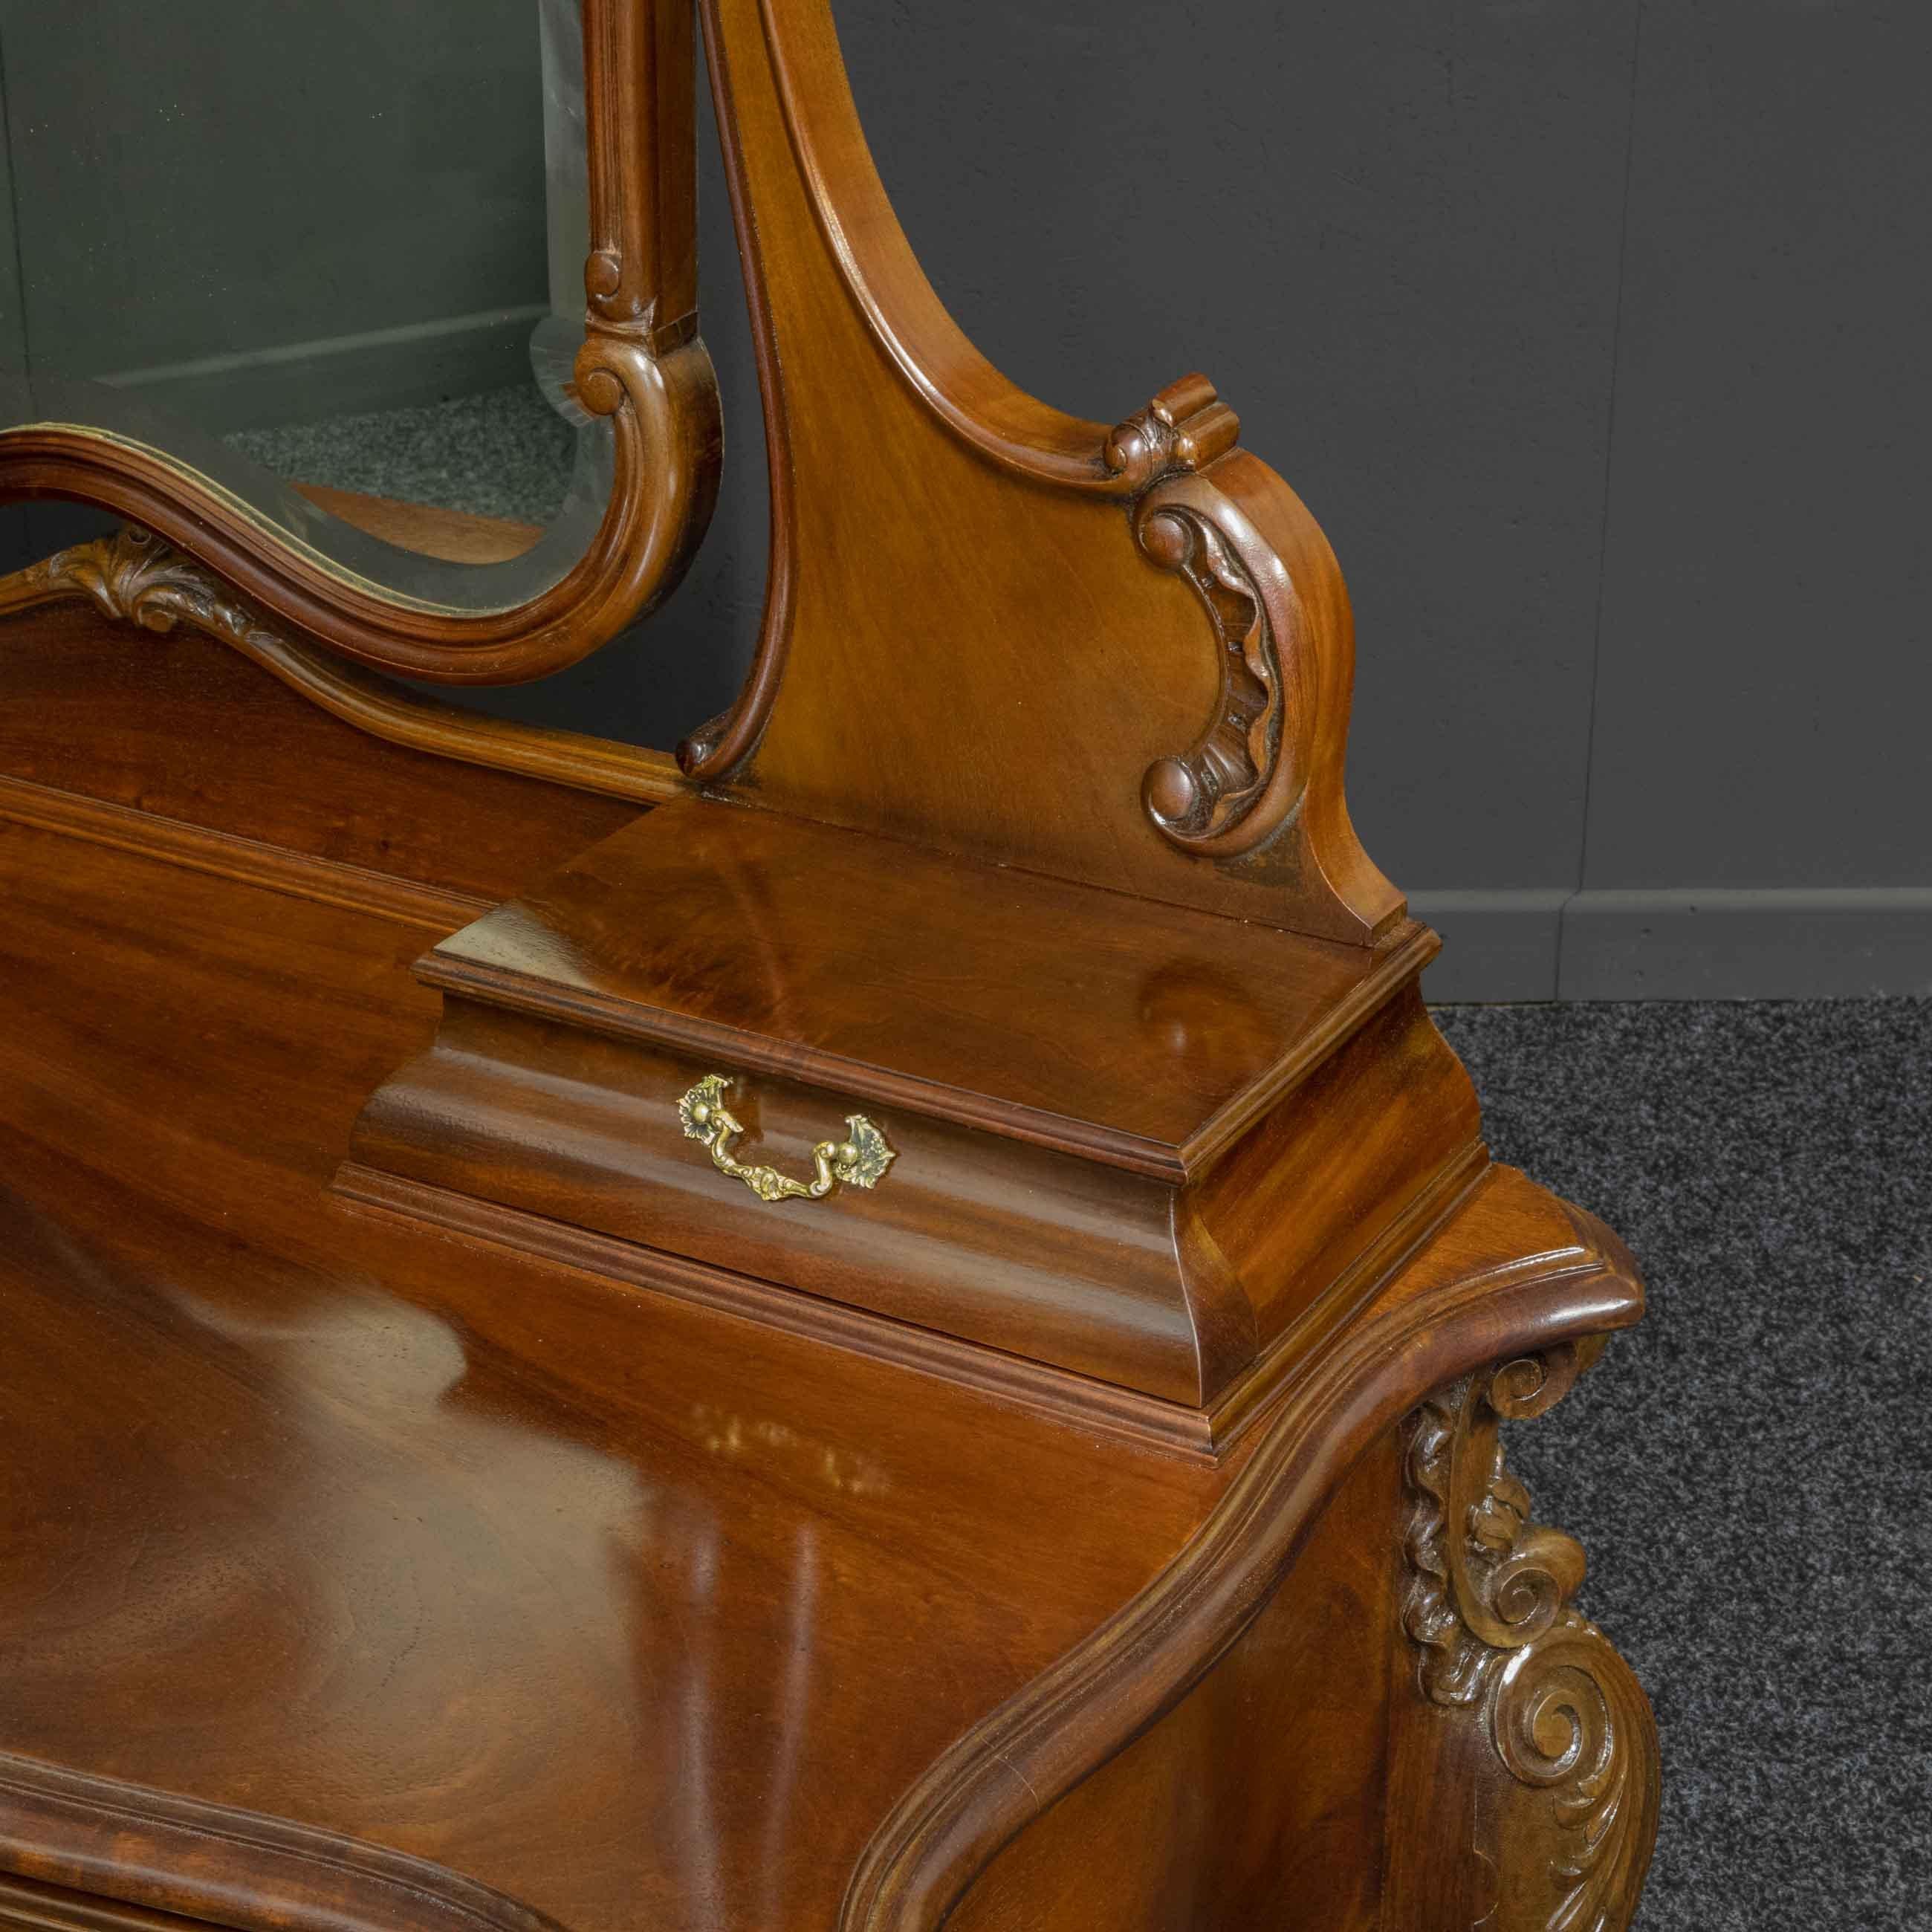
x: 1115, y: 1156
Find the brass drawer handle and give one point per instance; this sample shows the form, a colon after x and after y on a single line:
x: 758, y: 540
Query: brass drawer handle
x: 860, y: 1158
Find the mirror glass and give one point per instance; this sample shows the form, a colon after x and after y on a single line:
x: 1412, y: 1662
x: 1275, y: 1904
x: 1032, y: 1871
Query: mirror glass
x: 328, y: 254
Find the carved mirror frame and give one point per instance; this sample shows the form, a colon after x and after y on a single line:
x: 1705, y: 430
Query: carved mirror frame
x: 641, y: 366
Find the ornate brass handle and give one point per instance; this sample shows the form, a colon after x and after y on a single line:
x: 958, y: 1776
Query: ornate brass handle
x: 860, y: 1158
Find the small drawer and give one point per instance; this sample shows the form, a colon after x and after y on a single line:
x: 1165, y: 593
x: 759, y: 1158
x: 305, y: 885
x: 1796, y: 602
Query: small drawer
x: 1015, y: 1130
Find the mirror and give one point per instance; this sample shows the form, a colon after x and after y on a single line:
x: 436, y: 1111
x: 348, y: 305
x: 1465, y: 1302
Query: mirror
x: 323, y: 260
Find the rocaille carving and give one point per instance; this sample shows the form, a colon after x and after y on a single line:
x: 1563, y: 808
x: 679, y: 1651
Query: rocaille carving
x: 1239, y: 783
x: 134, y: 575
x: 859, y: 1160
x: 1205, y: 798
x: 1489, y: 1605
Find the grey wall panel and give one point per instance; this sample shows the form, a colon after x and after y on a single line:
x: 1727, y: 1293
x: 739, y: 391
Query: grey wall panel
x: 1499, y: 944
x: 15, y: 535
x: 1761, y: 707
x: 13, y: 312
x: 345, y: 373
x: 1699, y: 943
x: 28, y: 531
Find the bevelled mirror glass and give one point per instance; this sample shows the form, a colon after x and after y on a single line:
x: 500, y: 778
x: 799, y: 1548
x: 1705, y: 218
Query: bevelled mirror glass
x: 326, y: 258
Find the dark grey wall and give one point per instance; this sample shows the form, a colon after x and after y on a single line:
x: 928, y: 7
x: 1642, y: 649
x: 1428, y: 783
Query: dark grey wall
x: 1591, y: 330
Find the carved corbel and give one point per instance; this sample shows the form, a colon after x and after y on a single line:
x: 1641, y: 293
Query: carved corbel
x: 1244, y: 777
x: 1489, y: 1609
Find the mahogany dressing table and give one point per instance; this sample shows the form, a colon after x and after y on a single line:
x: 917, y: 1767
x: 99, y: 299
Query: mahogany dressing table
x: 899, y: 1320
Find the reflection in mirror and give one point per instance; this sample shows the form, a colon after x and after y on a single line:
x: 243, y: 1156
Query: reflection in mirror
x: 328, y: 255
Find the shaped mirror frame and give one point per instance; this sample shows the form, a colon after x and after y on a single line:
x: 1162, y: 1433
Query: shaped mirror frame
x: 641, y: 368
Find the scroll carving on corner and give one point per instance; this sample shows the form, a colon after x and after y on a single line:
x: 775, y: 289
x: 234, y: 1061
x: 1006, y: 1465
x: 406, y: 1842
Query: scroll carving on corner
x: 1240, y: 783
x: 1185, y: 428
x: 1488, y: 1607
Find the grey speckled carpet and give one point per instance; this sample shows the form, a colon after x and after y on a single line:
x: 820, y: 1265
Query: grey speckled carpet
x: 1749, y: 1470
x: 504, y: 453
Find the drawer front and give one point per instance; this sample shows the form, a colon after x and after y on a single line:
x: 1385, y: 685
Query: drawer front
x: 1022, y: 1248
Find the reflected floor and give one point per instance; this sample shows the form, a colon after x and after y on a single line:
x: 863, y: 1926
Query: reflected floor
x: 504, y: 453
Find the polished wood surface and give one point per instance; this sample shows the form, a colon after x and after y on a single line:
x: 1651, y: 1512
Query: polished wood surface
x: 1244, y: 1849
x: 998, y: 996
x: 352, y: 770
x: 565, y: 1587
x: 635, y: 1612
x: 1294, y: 1119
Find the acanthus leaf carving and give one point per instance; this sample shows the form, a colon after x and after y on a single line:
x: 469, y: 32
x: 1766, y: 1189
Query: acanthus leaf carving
x: 133, y: 576
x: 1489, y: 1606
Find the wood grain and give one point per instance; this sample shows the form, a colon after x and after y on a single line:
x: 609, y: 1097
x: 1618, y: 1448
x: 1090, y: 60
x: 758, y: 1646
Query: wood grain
x: 844, y: 961
x: 482, y: 1562
x: 1182, y: 1828
x: 1465, y: 1294
x: 496, y: 1564
x: 70, y: 1830
x: 249, y: 861
x: 182, y: 727
x: 1163, y: 714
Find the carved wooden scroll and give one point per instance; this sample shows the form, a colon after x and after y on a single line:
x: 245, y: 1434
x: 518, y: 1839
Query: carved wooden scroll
x: 1123, y: 656
x: 642, y: 365
x: 1245, y: 775
x: 1489, y: 1606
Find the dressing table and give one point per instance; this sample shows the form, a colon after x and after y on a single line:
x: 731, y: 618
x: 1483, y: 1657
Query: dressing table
x: 898, y: 1319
